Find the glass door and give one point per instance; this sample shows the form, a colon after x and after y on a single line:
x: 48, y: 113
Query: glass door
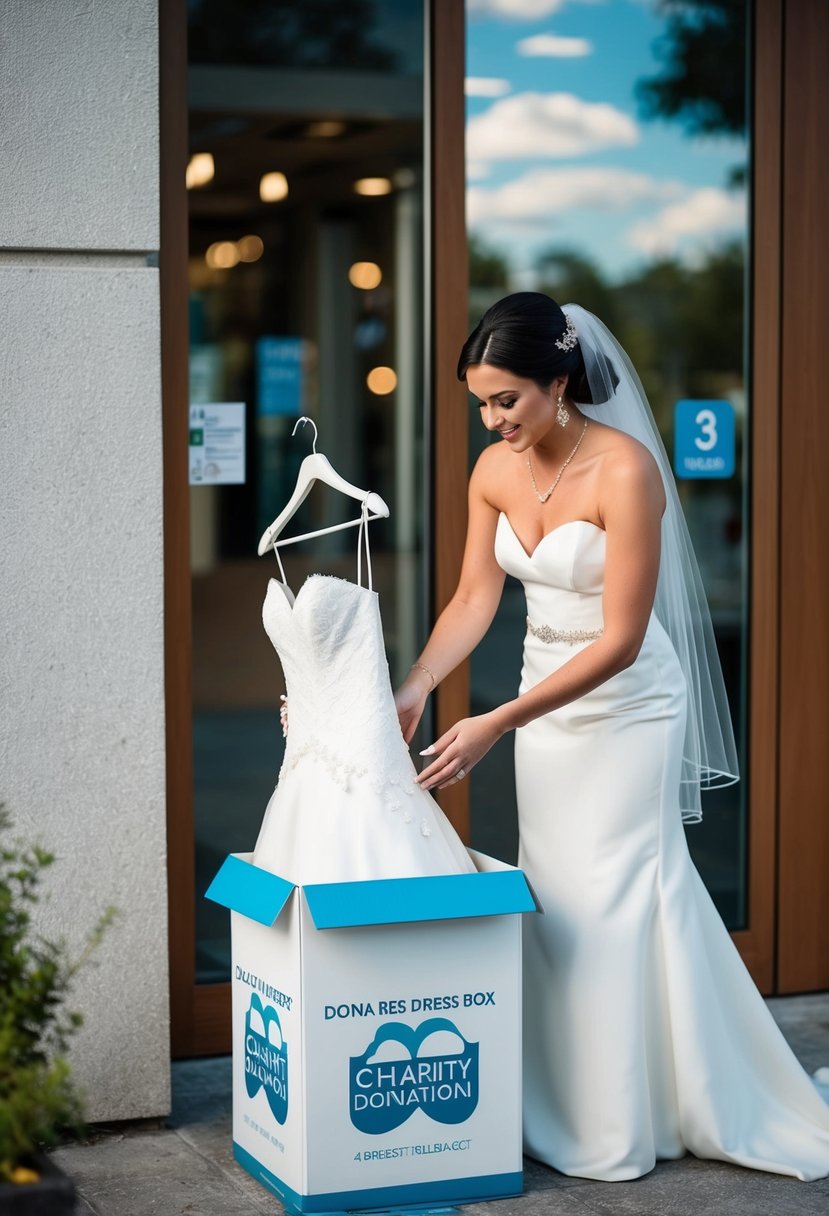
x: 305, y: 188
x: 608, y: 165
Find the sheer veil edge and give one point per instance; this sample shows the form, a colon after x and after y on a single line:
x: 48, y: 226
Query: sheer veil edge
x: 709, y: 752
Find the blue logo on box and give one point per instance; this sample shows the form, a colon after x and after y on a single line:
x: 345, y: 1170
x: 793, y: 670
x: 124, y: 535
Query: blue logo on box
x: 704, y: 439
x: 266, y: 1057
x: 431, y: 1068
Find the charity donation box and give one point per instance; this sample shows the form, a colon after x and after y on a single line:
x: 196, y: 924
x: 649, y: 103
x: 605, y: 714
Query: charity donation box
x: 377, y: 1036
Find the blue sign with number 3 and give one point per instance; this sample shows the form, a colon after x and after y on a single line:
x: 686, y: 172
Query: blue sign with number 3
x: 704, y: 439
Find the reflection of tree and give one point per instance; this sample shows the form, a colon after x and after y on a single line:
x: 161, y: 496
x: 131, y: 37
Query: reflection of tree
x: 281, y: 33
x: 570, y: 277
x: 682, y: 326
x: 488, y: 267
x: 704, y: 56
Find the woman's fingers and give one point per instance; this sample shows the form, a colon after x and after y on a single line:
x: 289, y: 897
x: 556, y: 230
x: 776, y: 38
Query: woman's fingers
x: 444, y: 769
x: 447, y: 761
x: 459, y: 750
x: 440, y: 745
x: 459, y: 776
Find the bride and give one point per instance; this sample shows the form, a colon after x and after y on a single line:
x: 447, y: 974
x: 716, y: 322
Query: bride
x: 644, y: 1036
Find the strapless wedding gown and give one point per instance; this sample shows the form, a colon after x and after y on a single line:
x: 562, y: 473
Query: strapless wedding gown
x: 345, y: 807
x: 644, y: 1035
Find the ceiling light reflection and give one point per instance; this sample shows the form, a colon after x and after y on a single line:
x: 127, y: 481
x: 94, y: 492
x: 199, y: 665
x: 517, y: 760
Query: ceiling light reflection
x: 372, y: 186
x: 325, y: 128
x: 365, y: 275
x: 222, y: 255
x: 200, y: 170
x: 273, y: 187
x: 381, y: 380
x: 250, y: 248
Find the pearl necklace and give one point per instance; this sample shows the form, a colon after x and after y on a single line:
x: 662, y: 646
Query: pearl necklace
x: 543, y: 497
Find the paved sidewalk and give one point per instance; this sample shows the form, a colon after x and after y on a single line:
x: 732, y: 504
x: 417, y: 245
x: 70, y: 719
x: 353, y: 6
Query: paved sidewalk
x: 184, y: 1167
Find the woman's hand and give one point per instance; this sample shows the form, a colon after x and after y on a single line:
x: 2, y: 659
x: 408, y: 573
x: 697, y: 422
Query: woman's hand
x: 410, y: 701
x: 459, y: 750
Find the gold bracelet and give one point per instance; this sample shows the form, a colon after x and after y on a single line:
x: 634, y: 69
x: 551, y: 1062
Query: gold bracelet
x: 429, y: 673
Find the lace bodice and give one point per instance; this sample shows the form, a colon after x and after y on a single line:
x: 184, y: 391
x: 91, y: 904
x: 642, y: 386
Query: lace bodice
x: 346, y: 806
x: 330, y: 643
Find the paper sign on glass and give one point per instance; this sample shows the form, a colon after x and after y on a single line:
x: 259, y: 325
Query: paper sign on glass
x: 217, y: 443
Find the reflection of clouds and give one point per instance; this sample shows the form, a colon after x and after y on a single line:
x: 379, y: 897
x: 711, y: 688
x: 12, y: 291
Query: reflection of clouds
x: 527, y: 10
x: 726, y: 147
x: 476, y: 170
x: 554, y: 47
x: 547, y: 125
x: 543, y: 192
x: 521, y: 10
x: 486, y: 86
x: 706, y: 212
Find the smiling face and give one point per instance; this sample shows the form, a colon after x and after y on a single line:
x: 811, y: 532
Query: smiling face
x: 517, y: 409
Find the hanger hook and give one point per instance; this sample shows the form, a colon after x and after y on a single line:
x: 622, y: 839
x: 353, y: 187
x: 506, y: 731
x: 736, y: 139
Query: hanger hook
x: 303, y: 420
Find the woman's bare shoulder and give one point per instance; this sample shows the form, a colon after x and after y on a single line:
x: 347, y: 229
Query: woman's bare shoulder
x: 627, y: 466
x: 490, y: 469
x: 624, y: 454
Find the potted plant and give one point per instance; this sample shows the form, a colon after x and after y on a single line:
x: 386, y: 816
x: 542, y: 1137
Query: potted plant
x: 38, y: 1102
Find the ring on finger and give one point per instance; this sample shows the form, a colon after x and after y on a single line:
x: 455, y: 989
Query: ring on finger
x: 460, y: 774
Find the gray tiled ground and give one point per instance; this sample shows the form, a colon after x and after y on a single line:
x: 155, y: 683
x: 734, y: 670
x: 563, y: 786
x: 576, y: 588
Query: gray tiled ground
x: 185, y: 1168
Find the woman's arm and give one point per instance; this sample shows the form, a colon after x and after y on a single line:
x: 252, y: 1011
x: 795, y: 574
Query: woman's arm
x: 632, y: 506
x: 469, y: 613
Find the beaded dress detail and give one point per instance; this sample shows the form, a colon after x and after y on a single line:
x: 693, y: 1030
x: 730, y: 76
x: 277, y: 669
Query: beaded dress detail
x: 345, y: 806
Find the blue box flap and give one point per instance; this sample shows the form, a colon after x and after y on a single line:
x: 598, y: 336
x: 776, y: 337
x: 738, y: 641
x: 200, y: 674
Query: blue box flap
x: 243, y: 887
x: 394, y: 901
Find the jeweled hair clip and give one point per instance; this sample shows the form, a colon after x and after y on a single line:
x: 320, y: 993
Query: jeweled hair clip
x: 569, y: 338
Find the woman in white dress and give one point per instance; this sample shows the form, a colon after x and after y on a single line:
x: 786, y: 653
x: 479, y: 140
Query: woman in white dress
x: 644, y: 1036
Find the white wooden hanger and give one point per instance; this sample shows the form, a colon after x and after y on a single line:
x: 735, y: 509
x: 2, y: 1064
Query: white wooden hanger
x: 317, y: 467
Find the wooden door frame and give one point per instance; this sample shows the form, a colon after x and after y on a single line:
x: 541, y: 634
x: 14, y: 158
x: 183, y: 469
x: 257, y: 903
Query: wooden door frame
x: 181, y: 874
x: 757, y: 942
x: 803, y: 831
x: 449, y: 268
x: 200, y: 1013
x: 785, y: 947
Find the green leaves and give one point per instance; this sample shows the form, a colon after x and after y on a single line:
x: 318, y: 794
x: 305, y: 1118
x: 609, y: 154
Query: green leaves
x: 37, y: 1098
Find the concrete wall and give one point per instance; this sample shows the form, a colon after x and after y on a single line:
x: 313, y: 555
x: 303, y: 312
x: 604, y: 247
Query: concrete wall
x: 82, y: 763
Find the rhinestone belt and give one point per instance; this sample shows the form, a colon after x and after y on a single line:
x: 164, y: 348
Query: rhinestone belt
x: 545, y: 634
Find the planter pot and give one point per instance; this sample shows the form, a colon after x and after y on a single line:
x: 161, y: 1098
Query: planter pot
x: 52, y: 1195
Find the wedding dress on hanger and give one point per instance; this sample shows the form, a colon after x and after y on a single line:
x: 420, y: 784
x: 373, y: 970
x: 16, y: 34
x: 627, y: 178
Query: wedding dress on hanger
x: 346, y: 806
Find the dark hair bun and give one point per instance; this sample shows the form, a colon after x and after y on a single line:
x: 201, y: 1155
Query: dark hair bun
x: 519, y: 334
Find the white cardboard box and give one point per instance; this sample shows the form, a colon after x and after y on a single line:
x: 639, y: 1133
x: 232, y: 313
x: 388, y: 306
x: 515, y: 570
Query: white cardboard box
x: 377, y: 1036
